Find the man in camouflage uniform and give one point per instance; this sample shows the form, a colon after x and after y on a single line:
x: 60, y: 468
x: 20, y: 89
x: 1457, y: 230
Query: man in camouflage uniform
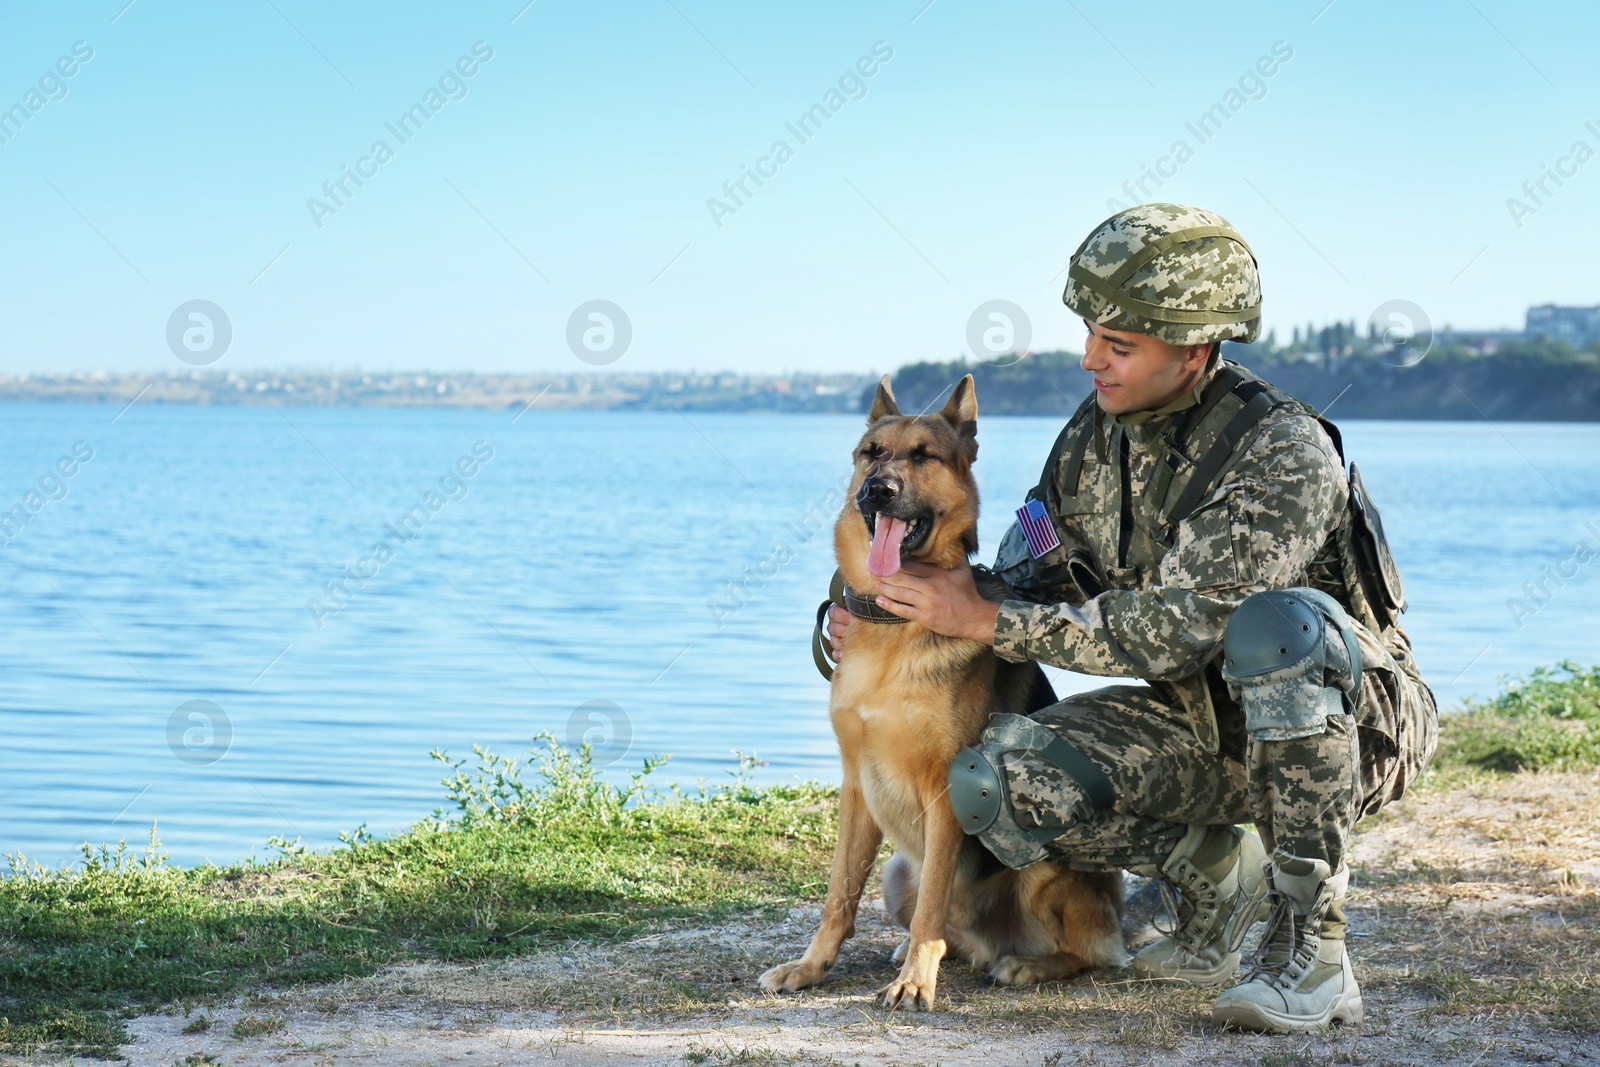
x: 1278, y: 689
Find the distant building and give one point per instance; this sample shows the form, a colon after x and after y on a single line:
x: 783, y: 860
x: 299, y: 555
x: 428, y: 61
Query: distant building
x: 1579, y: 327
x: 1482, y: 342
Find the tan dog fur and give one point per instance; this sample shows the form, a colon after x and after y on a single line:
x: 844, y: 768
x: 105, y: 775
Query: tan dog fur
x: 904, y: 701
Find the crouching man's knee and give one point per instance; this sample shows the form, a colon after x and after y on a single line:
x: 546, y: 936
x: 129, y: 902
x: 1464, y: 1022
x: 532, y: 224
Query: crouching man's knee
x: 1291, y: 660
x: 1022, y: 787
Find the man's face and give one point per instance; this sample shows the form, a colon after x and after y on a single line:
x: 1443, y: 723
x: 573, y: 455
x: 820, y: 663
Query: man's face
x: 1137, y: 372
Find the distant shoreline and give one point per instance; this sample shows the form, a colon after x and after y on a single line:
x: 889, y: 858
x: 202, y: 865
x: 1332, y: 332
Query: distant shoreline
x: 1532, y: 385
x: 838, y: 393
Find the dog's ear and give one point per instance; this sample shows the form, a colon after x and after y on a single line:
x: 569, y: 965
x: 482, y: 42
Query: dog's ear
x: 883, y: 404
x: 961, y: 412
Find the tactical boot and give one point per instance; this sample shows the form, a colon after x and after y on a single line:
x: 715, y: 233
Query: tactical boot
x: 1301, y: 978
x: 1220, y: 882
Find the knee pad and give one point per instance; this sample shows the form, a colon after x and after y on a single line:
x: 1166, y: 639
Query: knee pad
x: 1290, y: 659
x: 1018, y: 758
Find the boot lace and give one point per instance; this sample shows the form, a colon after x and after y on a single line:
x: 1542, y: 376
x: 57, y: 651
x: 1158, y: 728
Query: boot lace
x: 1181, y: 905
x: 1168, y: 902
x: 1288, y: 948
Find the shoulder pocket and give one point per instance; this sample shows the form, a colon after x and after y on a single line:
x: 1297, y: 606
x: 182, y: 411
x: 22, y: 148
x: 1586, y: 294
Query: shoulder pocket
x: 1211, y: 549
x: 1084, y: 502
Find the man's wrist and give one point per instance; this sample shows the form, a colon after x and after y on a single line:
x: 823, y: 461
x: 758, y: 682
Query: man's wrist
x: 983, y: 621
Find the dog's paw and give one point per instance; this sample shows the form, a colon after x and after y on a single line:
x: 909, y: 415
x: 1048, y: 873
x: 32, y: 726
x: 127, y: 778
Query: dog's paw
x: 909, y: 995
x: 1031, y: 970
x: 1015, y: 970
x: 792, y: 977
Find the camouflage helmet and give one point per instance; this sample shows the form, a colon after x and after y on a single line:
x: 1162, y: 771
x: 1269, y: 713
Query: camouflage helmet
x: 1181, y: 274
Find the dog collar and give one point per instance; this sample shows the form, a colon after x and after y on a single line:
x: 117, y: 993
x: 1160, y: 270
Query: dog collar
x: 864, y: 608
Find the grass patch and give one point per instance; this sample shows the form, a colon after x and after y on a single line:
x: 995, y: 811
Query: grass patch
x: 516, y: 866
x: 1547, y: 720
x: 249, y: 1026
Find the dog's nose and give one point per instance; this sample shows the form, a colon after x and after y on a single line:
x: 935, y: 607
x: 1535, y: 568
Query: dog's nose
x: 880, y: 491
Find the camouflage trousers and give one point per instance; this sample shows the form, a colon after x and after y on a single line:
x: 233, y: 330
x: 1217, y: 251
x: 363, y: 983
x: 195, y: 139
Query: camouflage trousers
x: 1303, y: 795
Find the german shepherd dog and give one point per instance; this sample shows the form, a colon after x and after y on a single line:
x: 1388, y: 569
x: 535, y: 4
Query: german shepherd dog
x: 904, y: 702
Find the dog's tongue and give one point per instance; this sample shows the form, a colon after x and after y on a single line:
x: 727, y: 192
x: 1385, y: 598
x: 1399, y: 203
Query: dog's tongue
x: 883, y: 559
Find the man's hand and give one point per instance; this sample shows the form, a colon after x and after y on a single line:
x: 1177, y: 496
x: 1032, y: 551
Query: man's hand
x: 838, y: 619
x: 945, y: 601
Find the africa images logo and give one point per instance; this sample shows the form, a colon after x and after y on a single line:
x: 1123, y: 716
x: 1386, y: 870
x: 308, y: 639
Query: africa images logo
x: 852, y: 85
x: 452, y: 85
x: 52, y: 86
x: 453, y: 485
x: 1252, y: 85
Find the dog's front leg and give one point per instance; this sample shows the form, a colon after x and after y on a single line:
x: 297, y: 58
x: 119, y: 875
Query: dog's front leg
x: 919, y: 975
x: 859, y: 838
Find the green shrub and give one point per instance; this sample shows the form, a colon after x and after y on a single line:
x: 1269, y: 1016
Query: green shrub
x: 1547, y: 720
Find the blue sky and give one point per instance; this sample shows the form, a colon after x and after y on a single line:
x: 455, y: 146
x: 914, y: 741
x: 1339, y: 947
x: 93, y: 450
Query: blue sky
x: 1374, y: 163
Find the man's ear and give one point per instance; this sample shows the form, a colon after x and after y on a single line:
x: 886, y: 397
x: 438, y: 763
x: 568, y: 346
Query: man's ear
x: 1200, y: 355
x: 883, y: 404
x: 961, y: 412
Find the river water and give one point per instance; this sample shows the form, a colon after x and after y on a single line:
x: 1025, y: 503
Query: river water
x: 173, y: 653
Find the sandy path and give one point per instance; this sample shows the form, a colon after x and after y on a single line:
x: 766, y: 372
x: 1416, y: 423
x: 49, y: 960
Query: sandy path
x: 1475, y: 919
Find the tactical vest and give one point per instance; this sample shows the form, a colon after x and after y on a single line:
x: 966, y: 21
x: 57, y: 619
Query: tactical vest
x: 1200, y: 444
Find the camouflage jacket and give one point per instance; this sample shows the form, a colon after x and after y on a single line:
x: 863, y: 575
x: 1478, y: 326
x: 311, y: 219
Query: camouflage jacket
x: 1272, y: 522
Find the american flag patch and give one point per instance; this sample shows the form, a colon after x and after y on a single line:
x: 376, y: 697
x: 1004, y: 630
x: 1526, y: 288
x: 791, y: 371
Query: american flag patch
x: 1037, y: 528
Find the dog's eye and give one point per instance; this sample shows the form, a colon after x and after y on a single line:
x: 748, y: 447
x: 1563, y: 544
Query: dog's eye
x: 920, y: 454
x: 872, y: 452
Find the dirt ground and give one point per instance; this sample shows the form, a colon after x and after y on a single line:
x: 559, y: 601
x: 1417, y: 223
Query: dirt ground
x: 1475, y: 935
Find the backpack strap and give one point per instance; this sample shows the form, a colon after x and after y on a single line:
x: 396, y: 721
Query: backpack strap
x: 1079, y: 443
x: 1089, y: 411
x: 1258, y: 399
x: 1227, y: 378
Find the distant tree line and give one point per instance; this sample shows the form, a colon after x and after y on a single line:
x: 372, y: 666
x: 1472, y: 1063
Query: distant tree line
x: 1353, y: 373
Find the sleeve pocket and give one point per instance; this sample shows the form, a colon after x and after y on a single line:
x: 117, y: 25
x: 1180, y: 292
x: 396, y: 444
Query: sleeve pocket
x: 1209, y: 550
